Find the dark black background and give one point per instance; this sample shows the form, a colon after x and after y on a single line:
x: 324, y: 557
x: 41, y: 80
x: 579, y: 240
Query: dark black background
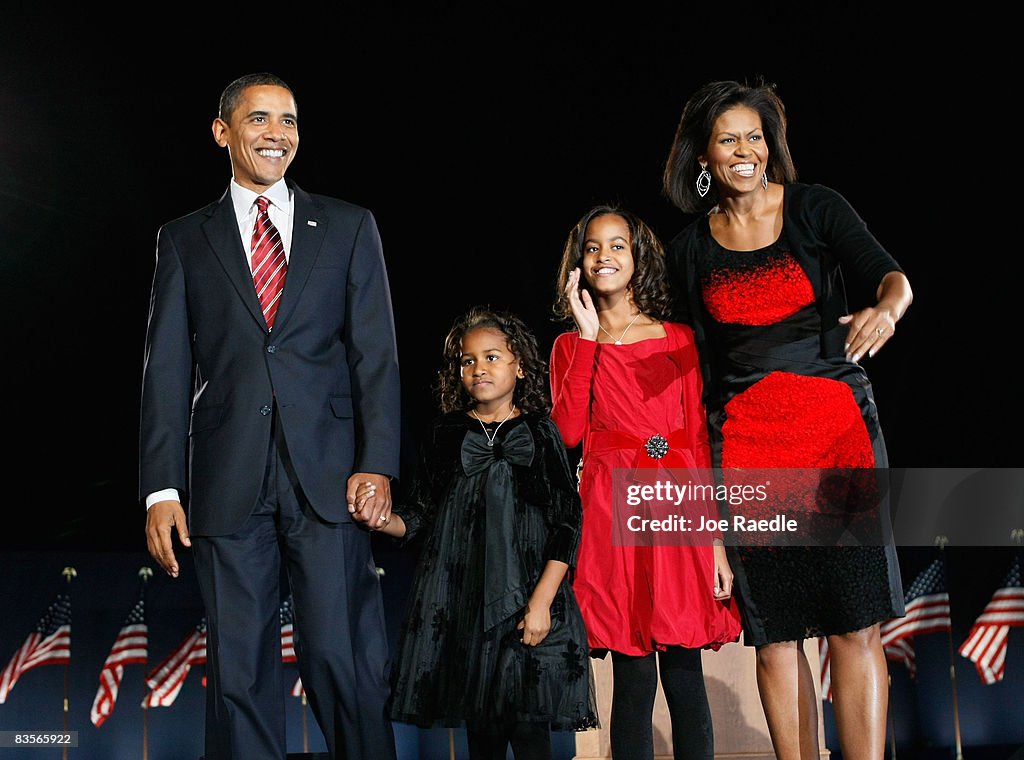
x: 477, y: 138
x: 478, y: 134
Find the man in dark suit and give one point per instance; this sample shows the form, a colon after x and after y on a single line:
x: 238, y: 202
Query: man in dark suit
x: 265, y: 413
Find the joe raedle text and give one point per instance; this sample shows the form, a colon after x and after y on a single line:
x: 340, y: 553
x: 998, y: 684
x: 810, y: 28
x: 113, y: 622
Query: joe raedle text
x: 678, y: 507
x: 703, y: 524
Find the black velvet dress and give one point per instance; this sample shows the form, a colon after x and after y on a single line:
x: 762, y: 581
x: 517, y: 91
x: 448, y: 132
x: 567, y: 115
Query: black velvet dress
x: 489, y: 518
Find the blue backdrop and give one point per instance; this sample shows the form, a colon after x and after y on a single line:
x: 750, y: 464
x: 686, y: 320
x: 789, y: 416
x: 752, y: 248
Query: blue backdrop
x: 106, y: 587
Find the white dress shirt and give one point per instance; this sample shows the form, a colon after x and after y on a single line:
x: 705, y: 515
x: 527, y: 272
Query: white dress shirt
x: 244, y: 202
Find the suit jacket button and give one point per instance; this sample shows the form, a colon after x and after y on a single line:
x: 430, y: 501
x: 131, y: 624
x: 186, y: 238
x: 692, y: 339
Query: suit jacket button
x: 271, y: 349
x: 265, y: 410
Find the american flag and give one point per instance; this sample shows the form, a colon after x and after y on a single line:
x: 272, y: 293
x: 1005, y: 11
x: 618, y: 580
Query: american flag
x: 130, y: 647
x: 287, y: 616
x: 927, y: 611
x: 166, y: 679
x: 288, y: 641
x: 902, y: 650
x: 824, y: 660
x: 985, y: 645
x: 48, y: 644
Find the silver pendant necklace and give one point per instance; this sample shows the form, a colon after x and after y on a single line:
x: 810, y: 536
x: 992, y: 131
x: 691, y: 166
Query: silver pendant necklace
x: 491, y: 436
x: 619, y: 341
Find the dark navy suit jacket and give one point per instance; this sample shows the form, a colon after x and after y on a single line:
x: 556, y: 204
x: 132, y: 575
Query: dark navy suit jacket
x: 213, y: 371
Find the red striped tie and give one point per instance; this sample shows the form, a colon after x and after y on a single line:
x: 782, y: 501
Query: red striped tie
x: 269, y: 266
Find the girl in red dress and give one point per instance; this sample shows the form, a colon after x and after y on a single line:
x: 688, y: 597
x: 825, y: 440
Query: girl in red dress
x: 626, y: 384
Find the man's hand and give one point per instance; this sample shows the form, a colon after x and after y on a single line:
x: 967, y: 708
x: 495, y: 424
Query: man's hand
x: 369, y: 499
x: 161, y: 520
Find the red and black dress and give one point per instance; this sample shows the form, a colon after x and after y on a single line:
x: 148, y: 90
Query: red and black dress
x: 780, y: 393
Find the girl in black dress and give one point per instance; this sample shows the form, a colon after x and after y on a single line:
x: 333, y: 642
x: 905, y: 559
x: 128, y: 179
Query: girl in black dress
x: 493, y: 637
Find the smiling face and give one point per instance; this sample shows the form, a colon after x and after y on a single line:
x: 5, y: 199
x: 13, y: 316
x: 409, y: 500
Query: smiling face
x: 608, y: 255
x: 489, y: 369
x: 737, y: 152
x: 262, y: 136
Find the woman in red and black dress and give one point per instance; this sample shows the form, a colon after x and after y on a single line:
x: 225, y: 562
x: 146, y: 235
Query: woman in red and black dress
x: 759, y: 277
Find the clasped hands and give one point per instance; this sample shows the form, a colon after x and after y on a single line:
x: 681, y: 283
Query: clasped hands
x: 369, y: 500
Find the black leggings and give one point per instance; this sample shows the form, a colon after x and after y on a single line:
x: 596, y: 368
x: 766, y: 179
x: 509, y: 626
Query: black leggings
x: 530, y: 741
x: 634, y: 687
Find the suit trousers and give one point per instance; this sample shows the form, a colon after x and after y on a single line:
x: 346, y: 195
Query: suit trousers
x: 341, y: 636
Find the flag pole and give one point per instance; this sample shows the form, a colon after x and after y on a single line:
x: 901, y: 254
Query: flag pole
x: 956, y: 711
x: 892, y: 720
x: 305, y: 724
x: 145, y: 727
x: 941, y: 541
x: 69, y: 573
x: 145, y: 573
x: 451, y: 744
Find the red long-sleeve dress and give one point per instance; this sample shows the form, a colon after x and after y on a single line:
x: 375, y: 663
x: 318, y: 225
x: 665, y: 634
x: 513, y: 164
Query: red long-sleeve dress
x: 612, y: 399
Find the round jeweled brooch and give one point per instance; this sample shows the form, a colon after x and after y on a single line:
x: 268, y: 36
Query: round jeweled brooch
x: 657, y: 446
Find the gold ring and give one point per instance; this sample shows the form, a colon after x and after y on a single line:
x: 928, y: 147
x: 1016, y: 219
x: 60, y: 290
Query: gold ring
x: 383, y: 519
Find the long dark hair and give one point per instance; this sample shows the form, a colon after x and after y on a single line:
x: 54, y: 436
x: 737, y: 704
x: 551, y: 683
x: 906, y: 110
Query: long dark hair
x: 679, y: 181
x: 531, y: 391
x: 648, y: 287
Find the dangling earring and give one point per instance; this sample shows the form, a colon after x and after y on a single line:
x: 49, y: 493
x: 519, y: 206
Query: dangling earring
x: 703, y: 181
x: 764, y: 181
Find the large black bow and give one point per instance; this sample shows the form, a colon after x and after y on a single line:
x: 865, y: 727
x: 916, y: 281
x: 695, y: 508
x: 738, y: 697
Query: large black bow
x: 516, y: 448
x: 504, y: 579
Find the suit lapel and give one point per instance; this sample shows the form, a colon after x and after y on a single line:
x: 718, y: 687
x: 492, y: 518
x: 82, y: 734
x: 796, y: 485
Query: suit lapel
x: 309, y: 225
x: 221, y: 230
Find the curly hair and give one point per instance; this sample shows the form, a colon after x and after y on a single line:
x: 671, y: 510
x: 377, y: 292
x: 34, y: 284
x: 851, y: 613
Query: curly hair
x: 694, y: 132
x: 648, y: 287
x: 531, y: 391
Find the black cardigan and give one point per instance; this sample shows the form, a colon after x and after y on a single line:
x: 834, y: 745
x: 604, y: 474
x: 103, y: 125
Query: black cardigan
x: 825, y: 235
